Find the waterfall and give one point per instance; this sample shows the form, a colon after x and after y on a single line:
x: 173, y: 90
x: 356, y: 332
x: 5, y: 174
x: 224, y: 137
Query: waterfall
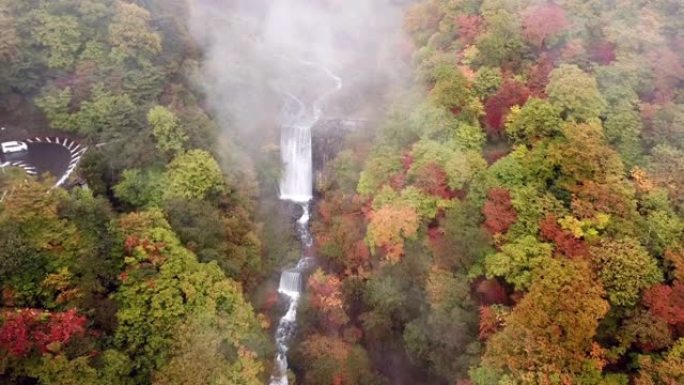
x: 290, y: 282
x: 296, y: 182
x: 296, y: 185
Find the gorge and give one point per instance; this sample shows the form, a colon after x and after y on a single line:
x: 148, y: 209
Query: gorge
x: 296, y: 186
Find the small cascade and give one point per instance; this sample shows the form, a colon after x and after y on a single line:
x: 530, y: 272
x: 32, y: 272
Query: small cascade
x: 296, y: 185
x: 290, y: 282
x: 291, y: 287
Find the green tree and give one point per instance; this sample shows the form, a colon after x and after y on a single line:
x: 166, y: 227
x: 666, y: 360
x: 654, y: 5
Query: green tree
x: 463, y: 167
x: 167, y: 131
x: 116, y: 368
x: 380, y: 167
x: 536, y: 120
x: 212, y: 341
x: 193, y: 175
x: 9, y: 36
x: 470, y: 137
x: 105, y: 116
x: 451, y: 88
x: 443, y: 337
x: 60, y: 370
x: 623, y: 130
x: 575, y: 93
x: 584, y: 156
x: 626, y: 269
x: 668, y: 170
x: 623, y: 125
x: 502, y: 43
x: 167, y: 297
x: 130, y: 34
x: 62, y: 36
x: 141, y: 188
x: 55, y: 104
x: 661, y: 227
x: 518, y: 261
x: 96, y: 268
x: 36, y: 242
x: 226, y: 236
x: 487, y: 81
x: 432, y: 121
x: 386, y: 296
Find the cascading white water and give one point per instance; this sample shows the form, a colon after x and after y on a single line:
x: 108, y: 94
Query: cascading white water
x: 290, y: 282
x: 296, y: 185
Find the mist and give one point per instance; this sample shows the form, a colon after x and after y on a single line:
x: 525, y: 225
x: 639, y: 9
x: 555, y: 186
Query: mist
x: 355, y: 192
x: 254, y: 48
x: 293, y: 64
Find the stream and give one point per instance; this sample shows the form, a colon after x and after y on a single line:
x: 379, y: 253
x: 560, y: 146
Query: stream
x: 296, y: 185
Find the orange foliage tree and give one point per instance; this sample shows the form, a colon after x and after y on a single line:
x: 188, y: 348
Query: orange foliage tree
x: 551, y: 331
x: 325, y: 295
x: 340, y: 229
x: 388, y: 228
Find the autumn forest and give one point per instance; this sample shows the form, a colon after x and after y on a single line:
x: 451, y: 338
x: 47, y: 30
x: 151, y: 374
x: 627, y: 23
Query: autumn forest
x: 510, y: 212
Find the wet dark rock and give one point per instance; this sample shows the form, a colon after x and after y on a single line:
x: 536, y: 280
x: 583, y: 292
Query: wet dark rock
x: 327, y: 139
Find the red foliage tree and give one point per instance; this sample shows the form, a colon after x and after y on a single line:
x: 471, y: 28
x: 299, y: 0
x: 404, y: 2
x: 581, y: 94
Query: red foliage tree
x: 510, y: 94
x: 498, y: 211
x: 666, y: 302
x: 602, y: 52
x: 538, y: 77
x: 432, y: 180
x: 15, y: 333
x: 469, y: 27
x: 59, y: 329
x: 27, y: 329
x: 565, y: 241
x: 435, y: 233
x: 407, y: 160
x: 492, y: 292
x: 543, y: 21
x: 669, y: 71
x: 398, y: 180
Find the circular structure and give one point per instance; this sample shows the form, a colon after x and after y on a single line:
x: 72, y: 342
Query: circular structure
x: 53, y: 155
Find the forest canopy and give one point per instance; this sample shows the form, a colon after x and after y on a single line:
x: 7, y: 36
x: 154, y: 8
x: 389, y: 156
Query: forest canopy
x: 522, y: 204
x: 144, y: 272
x: 513, y: 216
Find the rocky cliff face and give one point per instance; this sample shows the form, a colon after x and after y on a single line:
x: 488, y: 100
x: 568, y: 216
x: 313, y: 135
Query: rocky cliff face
x: 328, y: 139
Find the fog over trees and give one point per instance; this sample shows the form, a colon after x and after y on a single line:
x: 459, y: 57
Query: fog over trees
x: 498, y: 192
